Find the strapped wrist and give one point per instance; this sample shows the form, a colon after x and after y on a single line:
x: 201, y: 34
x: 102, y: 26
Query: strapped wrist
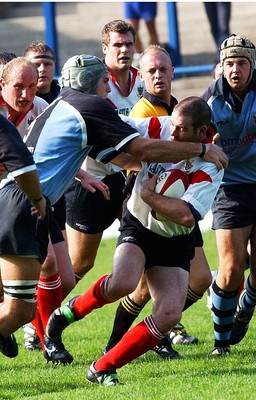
x: 203, y: 150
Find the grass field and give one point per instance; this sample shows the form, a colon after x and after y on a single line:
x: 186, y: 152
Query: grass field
x: 196, y: 376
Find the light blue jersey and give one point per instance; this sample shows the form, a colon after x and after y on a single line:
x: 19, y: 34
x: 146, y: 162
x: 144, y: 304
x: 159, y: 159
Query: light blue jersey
x: 236, y: 123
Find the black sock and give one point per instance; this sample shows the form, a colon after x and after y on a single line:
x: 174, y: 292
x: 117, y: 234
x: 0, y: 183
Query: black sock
x: 126, y: 314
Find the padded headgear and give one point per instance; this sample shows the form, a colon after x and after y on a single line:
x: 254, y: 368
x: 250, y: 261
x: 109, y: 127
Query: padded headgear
x: 83, y: 72
x: 237, y: 46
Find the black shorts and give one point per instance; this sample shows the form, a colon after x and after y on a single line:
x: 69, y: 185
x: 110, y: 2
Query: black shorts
x: 177, y: 251
x: 20, y: 233
x: 54, y: 229
x: 89, y: 212
x: 234, y: 207
x: 198, y: 236
x: 59, y: 210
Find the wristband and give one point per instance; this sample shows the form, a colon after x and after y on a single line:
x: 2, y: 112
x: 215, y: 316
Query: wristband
x: 203, y: 150
x: 37, y: 200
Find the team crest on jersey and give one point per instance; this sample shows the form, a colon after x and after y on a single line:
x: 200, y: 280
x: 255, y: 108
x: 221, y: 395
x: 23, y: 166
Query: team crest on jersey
x: 140, y: 89
x: 188, y: 165
x: 30, y: 120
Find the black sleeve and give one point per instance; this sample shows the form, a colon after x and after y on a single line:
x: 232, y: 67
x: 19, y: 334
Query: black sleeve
x: 13, y: 152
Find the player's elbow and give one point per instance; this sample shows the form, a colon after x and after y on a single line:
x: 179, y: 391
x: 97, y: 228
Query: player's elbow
x: 188, y: 220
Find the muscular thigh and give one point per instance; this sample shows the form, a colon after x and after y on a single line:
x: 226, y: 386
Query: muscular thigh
x: 19, y: 268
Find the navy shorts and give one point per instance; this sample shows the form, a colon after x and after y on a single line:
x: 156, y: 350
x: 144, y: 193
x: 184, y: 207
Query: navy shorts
x: 234, y: 207
x: 89, y: 212
x: 177, y: 251
x: 20, y: 233
x: 138, y: 10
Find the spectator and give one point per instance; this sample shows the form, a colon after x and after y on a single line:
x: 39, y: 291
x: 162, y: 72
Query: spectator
x: 134, y: 12
x: 218, y: 14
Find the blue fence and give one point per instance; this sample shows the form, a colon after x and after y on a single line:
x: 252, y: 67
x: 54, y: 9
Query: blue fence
x: 173, y: 31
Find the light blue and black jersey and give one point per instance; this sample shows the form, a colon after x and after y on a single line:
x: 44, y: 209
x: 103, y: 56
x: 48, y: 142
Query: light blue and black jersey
x: 236, y: 123
x: 74, y: 125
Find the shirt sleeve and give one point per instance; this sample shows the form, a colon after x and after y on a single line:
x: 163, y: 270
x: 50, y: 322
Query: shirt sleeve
x: 13, y: 152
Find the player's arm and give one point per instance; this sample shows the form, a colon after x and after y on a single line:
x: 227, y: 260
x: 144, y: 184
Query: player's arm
x: 126, y: 161
x: 175, y: 210
x: 30, y: 185
x: 151, y: 150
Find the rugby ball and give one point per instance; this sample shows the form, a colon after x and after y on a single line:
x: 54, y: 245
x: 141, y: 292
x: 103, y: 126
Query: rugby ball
x: 172, y: 183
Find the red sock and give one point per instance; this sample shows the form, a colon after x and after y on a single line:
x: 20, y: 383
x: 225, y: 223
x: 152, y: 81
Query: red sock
x: 143, y: 337
x: 37, y: 323
x: 49, y: 296
x: 241, y: 285
x: 91, y: 299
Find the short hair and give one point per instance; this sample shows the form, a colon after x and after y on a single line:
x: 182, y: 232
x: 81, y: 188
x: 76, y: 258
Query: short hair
x: 197, y: 109
x: 14, y: 64
x: 154, y: 48
x: 118, y: 25
x: 6, y: 57
x: 39, y: 47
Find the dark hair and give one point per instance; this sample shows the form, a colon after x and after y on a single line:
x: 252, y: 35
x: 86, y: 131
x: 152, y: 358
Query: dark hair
x: 197, y: 109
x: 6, y: 57
x: 39, y: 47
x: 118, y: 25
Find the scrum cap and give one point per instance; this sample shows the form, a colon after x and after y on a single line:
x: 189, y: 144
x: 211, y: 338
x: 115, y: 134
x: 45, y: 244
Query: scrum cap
x: 237, y: 46
x: 83, y: 72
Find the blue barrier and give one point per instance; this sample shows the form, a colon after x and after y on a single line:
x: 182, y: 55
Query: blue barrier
x: 51, y: 40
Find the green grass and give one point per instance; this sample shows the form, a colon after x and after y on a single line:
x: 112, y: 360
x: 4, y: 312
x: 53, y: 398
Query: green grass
x: 194, y: 377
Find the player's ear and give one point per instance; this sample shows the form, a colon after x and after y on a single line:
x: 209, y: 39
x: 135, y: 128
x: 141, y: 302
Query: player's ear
x: 104, y: 48
x: 202, y: 130
x: 140, y: 76
x: 2, y: 83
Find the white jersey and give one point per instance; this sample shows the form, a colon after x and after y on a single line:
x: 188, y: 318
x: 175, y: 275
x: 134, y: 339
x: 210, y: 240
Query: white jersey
x: 123, y: 105
x: 204, y: 180
x: 25, y: 120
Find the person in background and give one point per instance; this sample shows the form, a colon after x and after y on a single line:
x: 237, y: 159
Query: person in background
x: 218, y: 14
x: 134, y: 12
x: 217, y: 70
x: 44, y: 59
x: 4, y: 59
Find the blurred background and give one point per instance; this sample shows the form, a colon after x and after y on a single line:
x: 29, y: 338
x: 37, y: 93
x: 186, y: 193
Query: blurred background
x: 79, y: 26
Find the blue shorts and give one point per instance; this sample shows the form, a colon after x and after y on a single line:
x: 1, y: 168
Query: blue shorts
x: 234, y: 207
x: 162, y: 251
x: 138, y: 10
